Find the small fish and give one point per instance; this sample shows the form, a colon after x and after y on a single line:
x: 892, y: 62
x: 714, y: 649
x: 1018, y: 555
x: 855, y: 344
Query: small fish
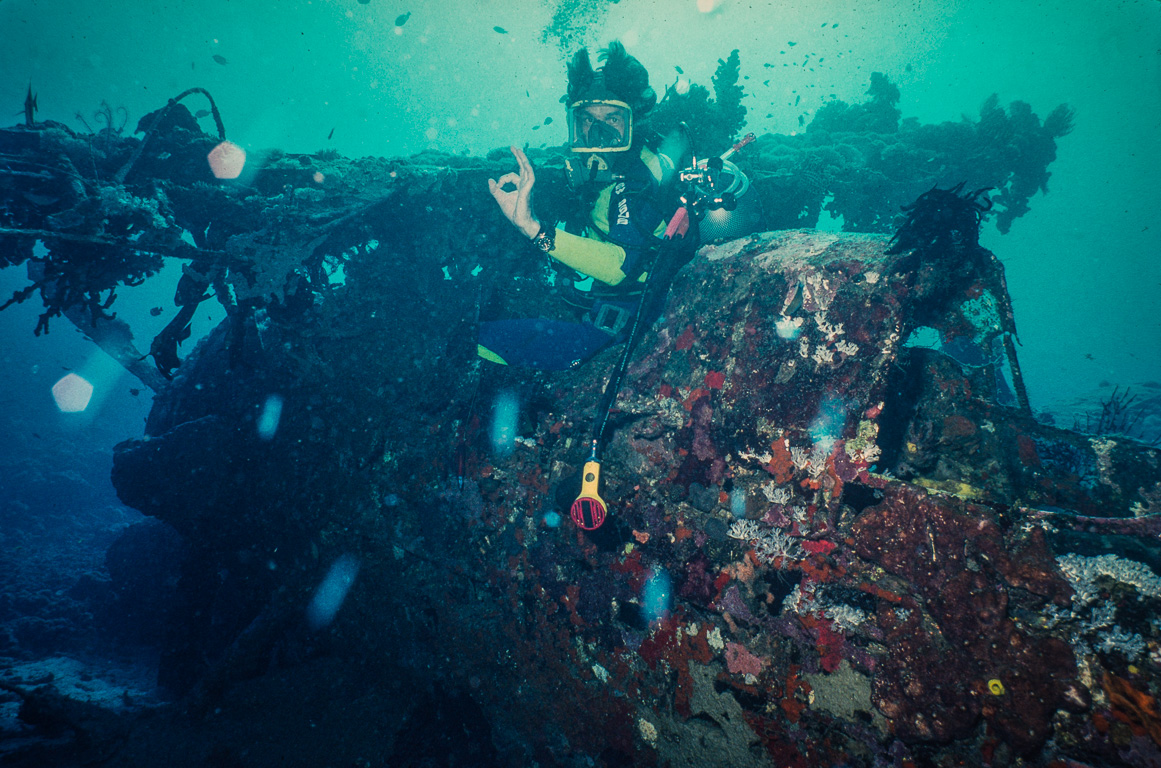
x: 769, y: 114
x: 501, y: 30
x: 536, y: 127
x: 364, y: 2
x: 801, y: 120
x: 824, y: 23
x: 768, y: 65
x: 797, y: 99
x: 29, y: 106
x: 135, y: 392
x: 765, y: 82
x: 402, y: 18
x: 548, y: 121
x: 331, y: 134
x: 220, y: 59
x: 202, y: 113
x: 834, y: 26
x: 907, y: 68
x: 156, y: 311
x: 791, y: 43
x: 679, y: 70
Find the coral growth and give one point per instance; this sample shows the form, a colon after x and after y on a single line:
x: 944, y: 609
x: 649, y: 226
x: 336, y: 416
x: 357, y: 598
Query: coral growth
x: 712, y: 122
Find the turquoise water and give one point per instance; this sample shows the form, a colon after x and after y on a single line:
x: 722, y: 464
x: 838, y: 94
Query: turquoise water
x: 1082, y: 266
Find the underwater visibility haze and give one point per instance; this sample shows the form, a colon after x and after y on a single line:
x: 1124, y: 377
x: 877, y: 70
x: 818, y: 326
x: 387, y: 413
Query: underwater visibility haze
x: 388, y: 383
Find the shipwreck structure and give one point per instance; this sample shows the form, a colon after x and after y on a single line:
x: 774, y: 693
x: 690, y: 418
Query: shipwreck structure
x: 837, y: 534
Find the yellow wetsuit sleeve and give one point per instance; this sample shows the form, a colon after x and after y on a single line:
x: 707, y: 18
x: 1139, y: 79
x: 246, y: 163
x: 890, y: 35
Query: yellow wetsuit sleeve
x: 590, y: 256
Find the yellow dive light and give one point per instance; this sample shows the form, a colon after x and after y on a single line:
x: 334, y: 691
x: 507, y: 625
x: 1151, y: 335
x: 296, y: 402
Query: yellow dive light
x: 588, y: 511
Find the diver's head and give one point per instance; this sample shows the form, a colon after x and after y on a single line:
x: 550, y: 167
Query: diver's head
x: 602, y: 107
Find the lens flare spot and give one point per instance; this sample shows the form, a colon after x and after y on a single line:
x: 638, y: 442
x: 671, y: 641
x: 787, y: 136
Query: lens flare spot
x: 656, y: 596
x: 72, y: 394
x: 738, y: 503
x: 828, y: 424
x: 331, y: 593
x: 227, y: 160
x: 269, y: 418
x: 505, y: 419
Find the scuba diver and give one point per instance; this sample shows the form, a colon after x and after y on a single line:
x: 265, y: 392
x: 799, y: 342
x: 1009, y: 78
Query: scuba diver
x: 627, y: 182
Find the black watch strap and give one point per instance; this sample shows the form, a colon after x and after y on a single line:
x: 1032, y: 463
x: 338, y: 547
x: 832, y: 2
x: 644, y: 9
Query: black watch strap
x: 545, y: 239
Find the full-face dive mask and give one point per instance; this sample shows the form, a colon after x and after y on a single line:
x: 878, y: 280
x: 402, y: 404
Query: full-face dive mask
x: 596, y: 128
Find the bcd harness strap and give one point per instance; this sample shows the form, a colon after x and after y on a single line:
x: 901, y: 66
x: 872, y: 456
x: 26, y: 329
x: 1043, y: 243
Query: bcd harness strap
x: 633, y: 217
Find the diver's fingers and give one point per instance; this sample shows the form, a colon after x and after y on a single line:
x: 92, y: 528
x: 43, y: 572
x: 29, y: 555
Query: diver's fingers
x: 506, y: 200
x: 509, y: 178
x: 525, y: 166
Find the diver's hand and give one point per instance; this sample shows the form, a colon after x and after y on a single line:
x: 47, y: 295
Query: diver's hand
x: 516, y: 204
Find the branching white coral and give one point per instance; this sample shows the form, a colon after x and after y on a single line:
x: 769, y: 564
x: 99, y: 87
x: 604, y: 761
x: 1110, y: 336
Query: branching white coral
x: 746, y: 530
x: 803, y: 347
x: 1103, y: 448
x: 1054, y: 616
x: 822, y: 355
x: 773, y: 544
x: 831, y: 332
x: 1131, y: 645
x: 769, y: 543
x: 846, y: 347
x: 776, y: 494
x: 799, y: 457
x: 1082, y: 573
x: 1103, y: 615
x: 818, y: 461
x: 799, y: 601
x: 846, y: 617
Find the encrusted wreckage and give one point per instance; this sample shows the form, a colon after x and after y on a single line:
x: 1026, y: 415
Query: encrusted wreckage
x: 868, y: 551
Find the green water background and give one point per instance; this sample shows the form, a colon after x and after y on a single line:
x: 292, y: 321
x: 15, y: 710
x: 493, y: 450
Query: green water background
x: 1084, y: 267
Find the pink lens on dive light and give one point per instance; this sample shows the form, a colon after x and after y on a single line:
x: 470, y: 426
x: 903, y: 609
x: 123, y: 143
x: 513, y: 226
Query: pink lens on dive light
x: 587, y: 513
